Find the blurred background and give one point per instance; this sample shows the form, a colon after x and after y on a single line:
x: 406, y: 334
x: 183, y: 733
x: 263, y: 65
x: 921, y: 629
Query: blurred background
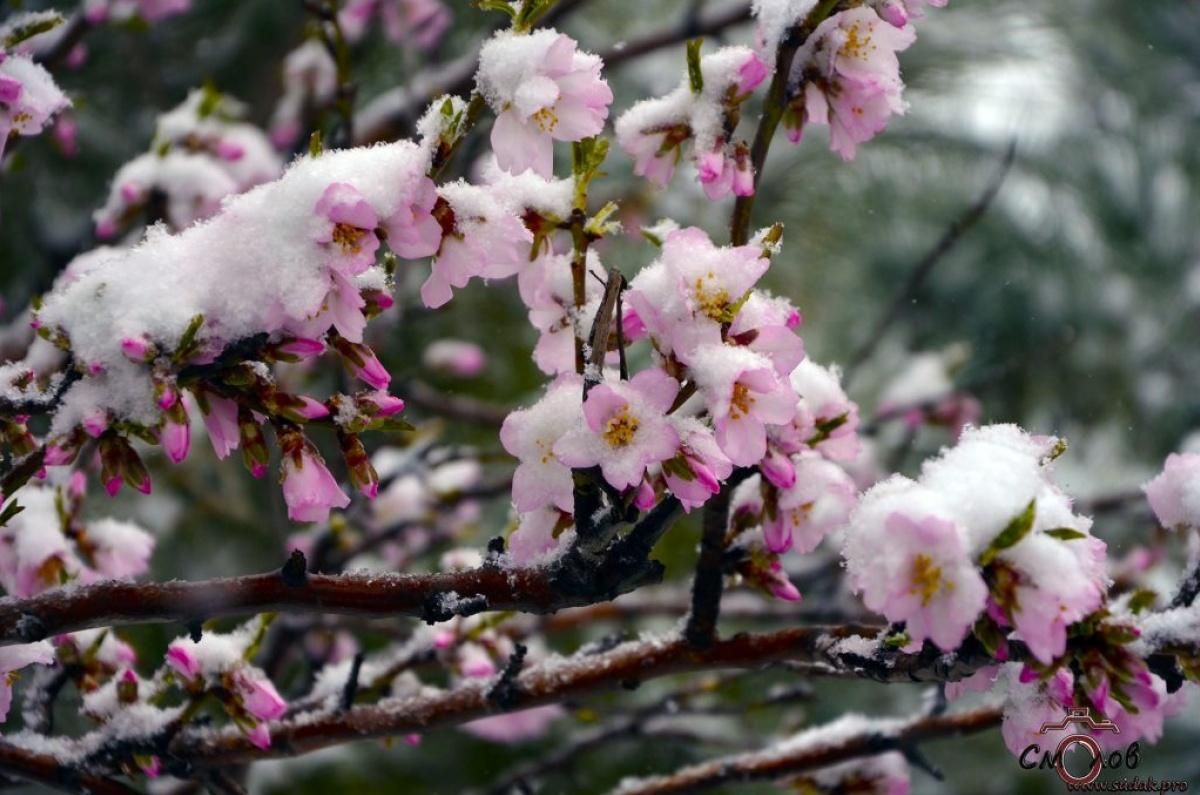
x: 1069, y: 305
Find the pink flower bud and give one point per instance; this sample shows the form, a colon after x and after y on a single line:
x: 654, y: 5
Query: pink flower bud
x: 778, y: 469
x: 311, y: 409
x: 95, y: 424
x: 181, y: 656
x: 301, y: 347
x: 176, y: 439
x: 230, y: 150
x: 260, y: 736
x: 260, y: 698
x: 385, y: 405
x: 137, y: 349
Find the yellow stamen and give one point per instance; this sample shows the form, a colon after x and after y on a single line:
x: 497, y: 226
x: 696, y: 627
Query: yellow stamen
x: 741, y: 401
x: 348, y: 237
x: 927, y: 579
x: 621, y: 428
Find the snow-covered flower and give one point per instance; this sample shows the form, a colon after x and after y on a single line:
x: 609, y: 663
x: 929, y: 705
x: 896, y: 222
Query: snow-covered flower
x: 910, y: 560
x: 13, y: 659
x: 825, y: 417
x: 543, y: 89
x: 685, y: 297
x: 744, y: 395
x: 625, y: 429
x: 309, y: 83
x: 1174, y: 494
x: 347, y: 228
x: 118, y: 549
x: 699, y: 467
x: 851, y: 78
x: 420, y: 23
x: 29, y: 97
x: 818, y: 502
x: 654, y: 131
x: 456, y: 357
x: 530, y: 435
x: 488, y: 240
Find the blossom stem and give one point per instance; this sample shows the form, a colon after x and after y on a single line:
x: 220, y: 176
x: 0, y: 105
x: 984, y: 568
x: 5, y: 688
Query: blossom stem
x: 773, y: 109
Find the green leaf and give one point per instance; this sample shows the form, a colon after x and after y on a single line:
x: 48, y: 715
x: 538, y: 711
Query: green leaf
x: 897, y: 641
x: 695, y: 75
x: 315, y: 145
x: 1142, y: 598
x: 1017, y: 529
x: 1065, y: 533
x: 188, y: 343
x: 10, y: 510
x: 32, y: 28
x: 825, y: 428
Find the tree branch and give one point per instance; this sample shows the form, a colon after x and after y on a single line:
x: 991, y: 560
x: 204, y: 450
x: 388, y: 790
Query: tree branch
x: 924, y: 266
x: 774, y: 763
x: 48, y: 771
x: 707, y: 584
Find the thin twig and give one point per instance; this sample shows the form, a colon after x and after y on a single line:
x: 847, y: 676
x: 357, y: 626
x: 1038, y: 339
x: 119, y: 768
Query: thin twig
x: 924, y: 267
x: 774, y: 763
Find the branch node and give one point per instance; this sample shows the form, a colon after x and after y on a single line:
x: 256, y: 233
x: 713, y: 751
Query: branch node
x: 507, y: 693
x: 350, y: 691
x: 30, y: 628
x: 295, y: 570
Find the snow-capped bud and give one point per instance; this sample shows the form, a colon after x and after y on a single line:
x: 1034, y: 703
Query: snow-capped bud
x: 95, y: 424
x: 463, y: 359
x: 181, y: 657
x: 137, y: 349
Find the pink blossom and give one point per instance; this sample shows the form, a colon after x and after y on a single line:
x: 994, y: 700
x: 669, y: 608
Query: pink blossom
x: 14, y: 658
x: 766, y: 324
x: 515, y: 727
x: 1174, y: 494
x: 724, y: 170
x: 138, y: 349
x: 543, y: 89
x: 347, y: 227
x: 530, y: 435
x: 382, y: 403
x: 119, y: 549
x: 910, y: 560
x: 818, y: 502
x: 697, y: 470
x: 1030, y: 705
x: 655, y: 153
x: 693, y: 289
x: 535, y: 535
x: 29, y: 97
x: 899, y: 12
x: 857, y: 88
x: 308, y: 488
x: 421, y: 23
x: 743, y: 394
x: 489, y: 241
x: 456, y: 357
x: 1057, y: 583
x: 412, y: 230
x: 626, y: 428
x: 825, y: 417
x: 220, y: 420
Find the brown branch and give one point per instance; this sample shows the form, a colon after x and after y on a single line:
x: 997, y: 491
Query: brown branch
x: 924, y: 267
x: 548, y: 682
x: 456, y: 407
x: 48, y: 771
x: 703, y: 25
x: 770, y: 764
x: 432, y: 597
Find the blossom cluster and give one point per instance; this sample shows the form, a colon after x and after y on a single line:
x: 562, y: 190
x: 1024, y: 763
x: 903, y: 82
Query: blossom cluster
x: 200, y: 154
x: 148, y: 325
x: 29, y: 97
x: 699, y: 115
